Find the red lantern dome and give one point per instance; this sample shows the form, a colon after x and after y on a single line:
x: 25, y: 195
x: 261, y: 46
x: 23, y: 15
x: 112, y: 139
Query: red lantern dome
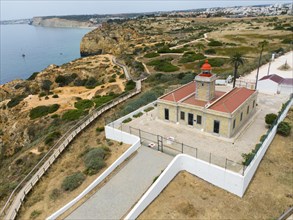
x: 206, y: 66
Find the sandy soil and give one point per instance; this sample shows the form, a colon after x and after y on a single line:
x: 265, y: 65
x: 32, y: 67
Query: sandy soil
x: 269, y: 194
x: 39, y: 199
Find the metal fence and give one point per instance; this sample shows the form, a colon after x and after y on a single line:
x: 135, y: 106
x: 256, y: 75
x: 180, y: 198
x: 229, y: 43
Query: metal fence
x: 16, y: 198
x: 172, y: 147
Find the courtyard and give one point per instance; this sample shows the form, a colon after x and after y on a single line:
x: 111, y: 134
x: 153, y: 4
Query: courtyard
x: 206, y: 146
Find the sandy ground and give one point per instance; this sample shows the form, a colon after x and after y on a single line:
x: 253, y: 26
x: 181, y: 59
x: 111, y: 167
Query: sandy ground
x: 267, y: 197
x: 70, y: 162
x: 67, y: 96
x: 274, y: 68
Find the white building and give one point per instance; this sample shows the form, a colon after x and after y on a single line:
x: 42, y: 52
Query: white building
x: 274, y: 84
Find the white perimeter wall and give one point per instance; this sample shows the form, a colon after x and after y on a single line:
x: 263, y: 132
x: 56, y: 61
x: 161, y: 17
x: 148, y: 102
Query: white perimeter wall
x: 267, y: 86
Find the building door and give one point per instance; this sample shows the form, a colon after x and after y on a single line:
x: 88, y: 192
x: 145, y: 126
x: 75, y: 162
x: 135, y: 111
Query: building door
x: 166, y: 114
x: 190, y: 119
x: 216, y: 127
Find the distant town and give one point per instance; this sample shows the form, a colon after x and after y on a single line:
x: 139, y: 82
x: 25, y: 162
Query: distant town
x: 236, y: 11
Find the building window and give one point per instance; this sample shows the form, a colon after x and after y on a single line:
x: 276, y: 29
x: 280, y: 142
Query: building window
x: 247, y: 109
x: 234, y: 122
x: 216, y: 126
x: 253, y: 104
x: 166, y: 114
x: 241, y: 116
x: 190, y: 119
x: 182, y: 115
x: 198, y: 119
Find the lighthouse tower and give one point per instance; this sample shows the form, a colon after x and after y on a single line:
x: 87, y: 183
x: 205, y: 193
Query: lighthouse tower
x: 205, y: 83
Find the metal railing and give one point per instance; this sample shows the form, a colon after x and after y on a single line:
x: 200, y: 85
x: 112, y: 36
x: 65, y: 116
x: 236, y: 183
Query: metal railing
x: 16, y: 198
x: 172, y: 147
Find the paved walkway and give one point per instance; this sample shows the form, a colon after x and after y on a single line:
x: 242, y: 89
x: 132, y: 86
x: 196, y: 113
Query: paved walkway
x: 117, y: 197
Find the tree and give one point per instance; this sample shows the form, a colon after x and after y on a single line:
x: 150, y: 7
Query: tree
x: 261, y: 45
x: 200, y: 47
x: 237, y: 59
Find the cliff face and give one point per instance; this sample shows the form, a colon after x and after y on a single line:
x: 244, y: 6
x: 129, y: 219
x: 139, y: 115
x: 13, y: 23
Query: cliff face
x: 112, y: 39
x: 59, y: 22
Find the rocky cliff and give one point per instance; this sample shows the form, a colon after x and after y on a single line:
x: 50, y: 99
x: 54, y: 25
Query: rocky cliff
x: 59, y: 22
x: 114, y: 39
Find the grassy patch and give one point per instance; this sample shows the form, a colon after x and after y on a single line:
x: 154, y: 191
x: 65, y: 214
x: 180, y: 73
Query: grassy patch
x: 191, y: 57
x: 101, y: 100
x: 83, y: 104
x: 73, y: 181
x: 72, y: 114
x: 51, y: 137
x: 43, y: 110
x: 151, y: 55
x: 130, y: 85
x: 163, y: 65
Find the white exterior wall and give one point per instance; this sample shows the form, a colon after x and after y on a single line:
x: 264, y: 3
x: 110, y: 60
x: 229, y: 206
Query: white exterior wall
x: 267, y: 86
x: 285, y: 89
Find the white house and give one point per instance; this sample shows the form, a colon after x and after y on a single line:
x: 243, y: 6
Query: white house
x: 274, y: 84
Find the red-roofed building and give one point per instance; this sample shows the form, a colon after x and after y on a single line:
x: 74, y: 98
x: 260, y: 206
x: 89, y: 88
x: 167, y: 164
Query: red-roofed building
x: 197, y: 104
x: 274, y: 84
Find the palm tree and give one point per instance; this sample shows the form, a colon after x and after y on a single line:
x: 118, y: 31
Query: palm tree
x: 262, y: 45
x: 200, y: 47
x: 237, y: 59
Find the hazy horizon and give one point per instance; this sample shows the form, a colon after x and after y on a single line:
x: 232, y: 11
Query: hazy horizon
x: 11, y: 10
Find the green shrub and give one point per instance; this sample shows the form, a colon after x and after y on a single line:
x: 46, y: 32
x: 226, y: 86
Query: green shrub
x: 94, y: 160
x: 247, y: 158
x: 101, y: 100
x: 33, y: 76
x: 215, y: 43
x: 262, y: 138
x: 72, y: 114
x: 43, y: 110
x: 163, y: 65
x: 55, y: 194
x: 35, y: 214
x: 73, y: 181
x: 83, y: 104
x: 100, y: 129
x: 112, y: 80
x: 287, y: 41
x: 51, y: 137
x: 138, y: 115
x: 15, y: 101
x: 55, y: 96
x: 210, y: 51
x: 130, y: 85
x: 55, y: 116
x: 191, y: 57
x: 148, y: 109
x: 284, y: 128
x: 122, y: 76
x: 91, y: 83
x: 127, y: 120
x: 151, y: 55
x: 42, y: 94
x: 270, y: 118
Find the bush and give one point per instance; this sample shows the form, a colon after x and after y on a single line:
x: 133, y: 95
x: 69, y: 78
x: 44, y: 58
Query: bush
x: 151, y: 55
x: 190, y: 57
x: 55, y: 116
x: 91, y: 83
x: 270, y: 118
x: 138, y: 115
x: 100, y: 129
x: 215, y: 43
x: 210, y: 51
x: 33, y: 76
x: 72, y: 114
x: 15, y: 101
x: 100, y: 100
x: 127, y: 120
x: 284, y: 128
x: 163, y: 65
x: 43, y: 110
x: 42, y: 94
x: 83, y: 104
x: 148, y: 109
x: 287, y: 41
x: 94, y: 160
x: 55, y: 194
x: 55, y: 96
x: 51, y: 137
x: 35, y: 214
x: 247, y: 158
x: 262, y: 138
x: 73, y: 181
x: 130, y: 85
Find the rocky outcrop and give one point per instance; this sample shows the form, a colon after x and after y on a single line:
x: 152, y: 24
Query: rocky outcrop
x: 59, y: 22
x: 114, y: 39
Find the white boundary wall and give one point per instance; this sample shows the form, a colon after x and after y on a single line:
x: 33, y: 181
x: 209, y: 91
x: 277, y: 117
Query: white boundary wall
x: 113, y: 134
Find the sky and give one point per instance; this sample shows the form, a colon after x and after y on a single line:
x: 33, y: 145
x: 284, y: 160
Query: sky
x: 12, y: 9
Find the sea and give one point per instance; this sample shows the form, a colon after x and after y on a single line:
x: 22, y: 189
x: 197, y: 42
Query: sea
x: 26, y: 49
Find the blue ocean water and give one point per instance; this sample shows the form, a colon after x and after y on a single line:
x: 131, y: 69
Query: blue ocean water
x: 41, y: 46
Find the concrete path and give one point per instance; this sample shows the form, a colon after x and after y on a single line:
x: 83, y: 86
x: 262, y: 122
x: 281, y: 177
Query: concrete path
x: 117, y: 197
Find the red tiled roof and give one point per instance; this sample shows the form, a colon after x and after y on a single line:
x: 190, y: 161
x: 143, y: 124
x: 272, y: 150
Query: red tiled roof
x: 191, y: 100
x: 232, y: 100
x: 273, y: 77
x: 180, y: 93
